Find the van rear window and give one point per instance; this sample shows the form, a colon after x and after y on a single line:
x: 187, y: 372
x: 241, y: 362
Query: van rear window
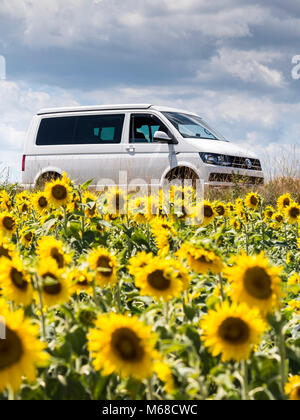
x: 92, y: 129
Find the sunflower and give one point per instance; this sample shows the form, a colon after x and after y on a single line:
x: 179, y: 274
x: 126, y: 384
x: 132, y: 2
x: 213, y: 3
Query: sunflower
x: 209, y: 212
x: 105, y: 264
x: 254, y: 281
x: 159, y: 279
x: 220, y: 209
x: 200, y: 260
x: 292, y: 213
x: 22, y: 196
x: 284, y: 201
x: 55, y: 288
x: 20, y: 352
x: 230, y: 207
x: 294, y: 279
x: 240, y: 211
x: 164, y: 373
x: 24, y: 207
x: 252, y: 200
x: 51, y: 247
x: 59, y: 192
x: 163, y: 231
x: 292, y: 388
x: 232, y: 331
x: 116, y: 201
x: 138, y: 209
x: 81, y: 281
x: 139, y: 262
x: 15, y: 281
x: 7, y: 249
x: 40, y: 203
x: 5, y: 201
x: 27, y: 236
x: 295, y: 306
x: 182, y: 272
x: 278, y: 218
x: 90, y: 202
x: 236, y: 224
x: 8, y: 223
x: 122, y: 345
x: 269, y: 212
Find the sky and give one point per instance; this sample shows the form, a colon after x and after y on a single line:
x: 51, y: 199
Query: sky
x: 230, y: 61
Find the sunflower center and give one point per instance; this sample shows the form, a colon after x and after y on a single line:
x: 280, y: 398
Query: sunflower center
x: 158, y: 281
x: 127, y: 345
x: 258, y: 283
x: 234, y: 330
x: 59, y: 192
x: 253, y: 200
x: 208, y: 212
x: 104, y: 262
x: 58, y: 257
x: 11, y: 349
x: 52, y: 289
x: 202, y: 259
x: 4, y: 253
x: 294, y: 212
x: 83, y: 282
x: 279, y: 218
x: 286, y: 202
x: 43, y: 202
x: 8, y: 223
x: 18, y: 279
x: 28, y: 236
x: 220, y: 210
x: 24, y: 208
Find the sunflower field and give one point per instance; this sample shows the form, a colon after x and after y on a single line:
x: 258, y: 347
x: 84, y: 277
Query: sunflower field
x: 112, y: 297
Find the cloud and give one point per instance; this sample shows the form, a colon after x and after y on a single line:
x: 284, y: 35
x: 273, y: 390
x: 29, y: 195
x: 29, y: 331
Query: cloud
x: 17, y: 106
x: 249, y: 66
x: 228, y: 60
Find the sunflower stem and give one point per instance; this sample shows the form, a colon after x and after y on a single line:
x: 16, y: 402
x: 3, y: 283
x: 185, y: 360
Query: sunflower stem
x: 65, y: 220
x: 245, y: 390
x: 247, y: 240
x: 10, y: 394
x: 41, y: 307
x: 221, y: 287
x: 95, y: 297
x: 149, y: 389
x: 118, y: 297
x: 282, y: 352
x: 166, y: 310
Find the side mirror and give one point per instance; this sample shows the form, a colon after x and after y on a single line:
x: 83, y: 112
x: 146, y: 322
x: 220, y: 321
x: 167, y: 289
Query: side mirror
x: 162, y: 137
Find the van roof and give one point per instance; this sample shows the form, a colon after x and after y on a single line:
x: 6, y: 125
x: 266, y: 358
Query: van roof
x: 63, y: 110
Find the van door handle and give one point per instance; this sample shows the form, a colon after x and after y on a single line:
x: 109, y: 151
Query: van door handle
x: 130, y: 149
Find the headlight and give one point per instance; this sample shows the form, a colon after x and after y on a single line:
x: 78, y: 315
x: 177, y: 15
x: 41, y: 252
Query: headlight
x: 215, y: 159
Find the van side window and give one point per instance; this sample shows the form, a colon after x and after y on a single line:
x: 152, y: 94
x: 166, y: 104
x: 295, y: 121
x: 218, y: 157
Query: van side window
x: 92, y: 129
x: 56, y: 131
x: 143, y: 127
x: 103, y: 129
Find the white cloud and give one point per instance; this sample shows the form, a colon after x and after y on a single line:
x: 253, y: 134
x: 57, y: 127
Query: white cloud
x: 18, y: 104
x: 249, y: 66
x: 72, y: 22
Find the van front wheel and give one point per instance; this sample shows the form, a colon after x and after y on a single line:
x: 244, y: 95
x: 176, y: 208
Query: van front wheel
x: 181, y: 174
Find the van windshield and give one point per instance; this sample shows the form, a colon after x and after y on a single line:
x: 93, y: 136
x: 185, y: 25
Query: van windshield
x: 190, y: 126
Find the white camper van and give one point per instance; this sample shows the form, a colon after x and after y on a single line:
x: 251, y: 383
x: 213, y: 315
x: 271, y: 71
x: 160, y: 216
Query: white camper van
x: 144, y: 143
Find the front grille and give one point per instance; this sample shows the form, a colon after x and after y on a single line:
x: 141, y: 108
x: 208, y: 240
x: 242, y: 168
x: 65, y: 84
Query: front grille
x: 234, y: 162
x: 236, y: 178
